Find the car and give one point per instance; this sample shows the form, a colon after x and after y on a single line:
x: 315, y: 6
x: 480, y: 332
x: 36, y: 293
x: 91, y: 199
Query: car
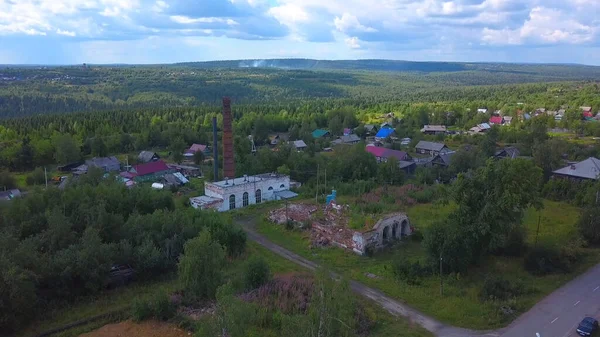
x: 120, y: 274
x: 587, y: 326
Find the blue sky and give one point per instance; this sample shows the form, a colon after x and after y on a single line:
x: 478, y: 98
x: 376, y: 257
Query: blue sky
x: 167, y: 31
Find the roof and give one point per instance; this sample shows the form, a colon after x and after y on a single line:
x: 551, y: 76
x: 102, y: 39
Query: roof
x: 171, y: 179
x: 370, y: 127
x: 586, y: 108
x: 286, y: 194
x: 246, y: 180
x: 387, y: 125
x: 587, y: 169
x: 484, y: 126
x: 318, y: 133
x: 102, y: 161
x: 10, y: 194
x: 146, y: 156
x: 434, y: 128
x: 299, y: 144
x: 507, y: 118
x: 205, y: 201
x: 430, y: 146
x: 508, y: 152
x: 150, y: 168
x: 351, y: 138
x: 384, y: 133
x: 181, y: 177
x: 347, y: 131
x: 496, y: 120
x: 196, y: 148
x: 444, y: 158
x: 382, y: 152
x: 482, y: 110
x: 404, y: 164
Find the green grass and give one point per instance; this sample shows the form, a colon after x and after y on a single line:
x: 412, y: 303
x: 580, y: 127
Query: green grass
x: 460, y: 305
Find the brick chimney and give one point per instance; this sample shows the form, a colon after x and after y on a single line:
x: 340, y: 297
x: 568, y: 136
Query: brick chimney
x: 228, y: 159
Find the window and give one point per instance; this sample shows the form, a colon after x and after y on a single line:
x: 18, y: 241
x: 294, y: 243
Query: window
x: 282, y: 186
x: 258, y: 197
x: 232, y: 201
x: 245, y: 199
x: 271, y: 188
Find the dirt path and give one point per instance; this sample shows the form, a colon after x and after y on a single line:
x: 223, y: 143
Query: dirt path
x: 144, y: 329
x: 394, y: 307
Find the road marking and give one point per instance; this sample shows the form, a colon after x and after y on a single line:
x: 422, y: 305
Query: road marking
x: 554, y: 320
x: 576, y: 303
x: 596, y: 288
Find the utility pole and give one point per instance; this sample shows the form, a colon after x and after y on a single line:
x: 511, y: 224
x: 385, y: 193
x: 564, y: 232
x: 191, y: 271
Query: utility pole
x: 537, y: 233
x: 317, y: 192
x: 441, y: 277
x: 46, y: 176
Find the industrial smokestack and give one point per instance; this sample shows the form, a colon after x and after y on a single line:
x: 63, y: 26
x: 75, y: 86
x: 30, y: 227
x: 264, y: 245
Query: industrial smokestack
x: 228, y: 160
x: 215, y: 151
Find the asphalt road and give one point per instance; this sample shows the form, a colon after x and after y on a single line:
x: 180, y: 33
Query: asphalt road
x: 557, y: 315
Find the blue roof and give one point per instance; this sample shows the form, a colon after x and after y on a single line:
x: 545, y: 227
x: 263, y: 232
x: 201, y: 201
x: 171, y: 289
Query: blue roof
x: 384, y: 133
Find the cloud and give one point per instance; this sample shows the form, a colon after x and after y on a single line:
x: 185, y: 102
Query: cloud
x: 353, y: 42
x: 544, y: 26
x: 349, y: 22
x: 65, y: 32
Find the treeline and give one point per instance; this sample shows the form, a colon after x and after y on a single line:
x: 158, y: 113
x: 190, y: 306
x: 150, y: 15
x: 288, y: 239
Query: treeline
x: 57, y: 245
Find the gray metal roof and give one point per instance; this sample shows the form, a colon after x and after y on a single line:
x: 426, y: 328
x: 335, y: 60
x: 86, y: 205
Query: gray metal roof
x: 286, y: 194
x: 587, y: 169
x: 146, y: 156
x: 299, y: 144
x: 103, y: 162
x: 351, y: 138
x: 430, y: 146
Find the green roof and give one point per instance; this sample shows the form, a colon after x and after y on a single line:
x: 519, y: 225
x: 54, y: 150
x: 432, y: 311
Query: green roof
x: 318, y: 133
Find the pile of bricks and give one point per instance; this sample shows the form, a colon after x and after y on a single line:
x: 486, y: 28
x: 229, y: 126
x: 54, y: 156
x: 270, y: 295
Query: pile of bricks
x: 298, y: 213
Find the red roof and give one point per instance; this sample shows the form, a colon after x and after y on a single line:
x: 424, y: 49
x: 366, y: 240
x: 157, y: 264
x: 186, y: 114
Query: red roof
x: 587, y: 114
x: 150, y: 168
x: 196, y: 148
x: 496, y: 120
x: 382, y: 152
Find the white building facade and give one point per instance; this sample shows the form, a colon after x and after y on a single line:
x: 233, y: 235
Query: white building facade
x: 244, y: 191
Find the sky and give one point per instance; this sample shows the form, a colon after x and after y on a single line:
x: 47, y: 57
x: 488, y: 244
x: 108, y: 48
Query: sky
x: 169, y: 31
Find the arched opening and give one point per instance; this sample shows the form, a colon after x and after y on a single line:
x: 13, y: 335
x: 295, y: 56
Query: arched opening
x: 395, y: 230
x: 271, y: 188
x: 282, y: 186
x: 232, y: 201
x: 386, y: 233
x: 404, y: 228
x: 258, y: 197
x: 245, y: 199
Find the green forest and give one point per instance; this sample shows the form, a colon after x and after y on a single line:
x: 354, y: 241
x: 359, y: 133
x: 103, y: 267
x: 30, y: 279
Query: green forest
x: 59, y: 244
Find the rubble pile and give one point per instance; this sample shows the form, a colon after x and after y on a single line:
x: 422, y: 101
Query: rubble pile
x: 298, y: 213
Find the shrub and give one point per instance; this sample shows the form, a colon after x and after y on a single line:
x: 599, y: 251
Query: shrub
x: 515, y: 244
x: 37, y: 177
x: 498, y: 288
x: 257, y: 272
x: 545, y: 260
x: 416, y: 236
x: 411, y: 272
x: 589, y: 225
x: 158, y: 306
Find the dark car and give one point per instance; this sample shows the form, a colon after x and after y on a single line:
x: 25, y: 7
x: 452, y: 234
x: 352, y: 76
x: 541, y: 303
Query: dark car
x: 587, y: 326
x: 120, y: 274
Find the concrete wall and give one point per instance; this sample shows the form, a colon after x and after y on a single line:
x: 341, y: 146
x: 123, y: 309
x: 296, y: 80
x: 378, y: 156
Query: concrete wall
x: 390, y: 228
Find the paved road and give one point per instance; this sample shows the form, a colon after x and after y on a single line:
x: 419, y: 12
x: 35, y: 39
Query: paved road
x: 555, y: 316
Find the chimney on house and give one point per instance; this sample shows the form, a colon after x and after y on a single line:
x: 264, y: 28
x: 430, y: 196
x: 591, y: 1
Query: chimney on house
x: 228, y: 160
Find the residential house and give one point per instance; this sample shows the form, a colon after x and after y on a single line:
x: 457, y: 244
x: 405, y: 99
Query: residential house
x: 405, y: 141
x: 382, y: 154
x: 588, y: 169
x: 507, y: 152
x: 299, y: 145
x: 480, y: 128
x: 507, y: 120
x: 347, y: 140
x: 386, y: 125
x: 107, y: 164
x: 434, y: 129
x: 347, y: 131
x: 196, y: 148
x: 9, y: 194
x: 560, y: 114
x: 148, y: 156
x: 431, y: 148
x: 443, y: 159
x: 539, y: 111
x: 408, y: 167
x: 496, y: 120
x: 371, y: 129
x: 274, y: 140
x: 587, y: 111
x: 384, y: 133
x: 190, y: 171
x: 320, y: 133
x: 482, y: 110
x: 150, y: 171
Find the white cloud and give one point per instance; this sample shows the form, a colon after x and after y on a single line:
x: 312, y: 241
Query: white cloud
x: 546, y: 26
x: 187, y: 20
x: 350, y: 22
x: 353, y: 42
x: 289, y: 14
x: 65, y: 32
x: 159, y: 6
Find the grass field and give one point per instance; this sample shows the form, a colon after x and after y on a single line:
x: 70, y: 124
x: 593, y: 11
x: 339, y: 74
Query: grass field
x: 460, y: 305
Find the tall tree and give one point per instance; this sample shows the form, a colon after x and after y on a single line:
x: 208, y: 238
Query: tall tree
x: 67, y: 150
x: 200, y: 267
